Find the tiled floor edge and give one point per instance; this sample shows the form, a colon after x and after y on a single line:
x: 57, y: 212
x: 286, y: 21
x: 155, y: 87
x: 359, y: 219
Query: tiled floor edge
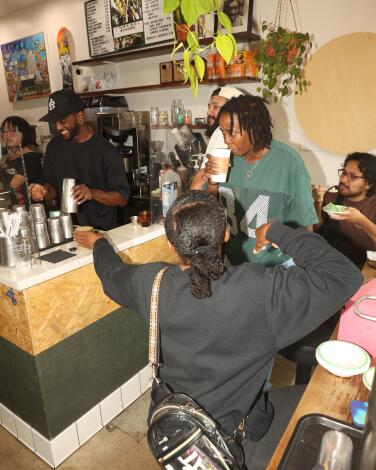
x: 50, y: 448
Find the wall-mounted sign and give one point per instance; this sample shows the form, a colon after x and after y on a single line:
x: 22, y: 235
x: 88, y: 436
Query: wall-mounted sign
x: 26, y: 69
x: 115, y: 25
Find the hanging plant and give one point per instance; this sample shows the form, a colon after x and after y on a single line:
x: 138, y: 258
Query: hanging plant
x: 282, y: 56
x: 186, y: 14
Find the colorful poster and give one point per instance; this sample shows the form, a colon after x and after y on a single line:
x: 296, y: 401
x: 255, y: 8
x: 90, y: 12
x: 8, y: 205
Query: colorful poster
x: 64, y: 44
x: 26, y: 69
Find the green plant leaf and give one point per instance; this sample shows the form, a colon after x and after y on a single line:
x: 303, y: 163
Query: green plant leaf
x: 192, y: 9
x: 225, y: 47
x: 170, y: 5
x: 200, y: 66
x: 193, y: 42
x: 234, y: 43
x: 225, y: 21
x: 187, y: 60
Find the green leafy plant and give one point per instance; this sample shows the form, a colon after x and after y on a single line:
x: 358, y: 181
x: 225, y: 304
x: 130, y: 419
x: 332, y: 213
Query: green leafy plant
x: 187, y: 12
x: 282, y: 56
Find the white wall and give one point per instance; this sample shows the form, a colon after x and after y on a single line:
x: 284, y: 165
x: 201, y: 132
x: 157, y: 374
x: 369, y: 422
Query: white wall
x: 325, y: 19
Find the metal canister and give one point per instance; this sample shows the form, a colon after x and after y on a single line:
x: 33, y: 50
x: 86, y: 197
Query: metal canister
x: 21, y: 210
x: 43, y: 238
x: 8, y: 256
x: 56, y: 230
x: 38, y: 213
x: 68, y: 204
x: 66, y: 222
x: 25, y: 234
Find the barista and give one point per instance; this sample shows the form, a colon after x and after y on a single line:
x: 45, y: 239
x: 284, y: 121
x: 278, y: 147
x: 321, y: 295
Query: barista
x: 77, y: 152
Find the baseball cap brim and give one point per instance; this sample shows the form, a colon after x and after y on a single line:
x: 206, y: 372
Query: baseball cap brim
x: 53, y: 117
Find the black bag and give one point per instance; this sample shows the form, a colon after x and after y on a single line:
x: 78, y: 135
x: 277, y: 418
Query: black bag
x: 181, y: 434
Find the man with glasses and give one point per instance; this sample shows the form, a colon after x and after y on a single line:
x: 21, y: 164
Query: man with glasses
x: 352, y: 232
x: 77, y: 152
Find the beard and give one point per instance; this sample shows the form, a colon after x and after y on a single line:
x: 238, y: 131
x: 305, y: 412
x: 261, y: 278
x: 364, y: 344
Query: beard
x: 210, y: 128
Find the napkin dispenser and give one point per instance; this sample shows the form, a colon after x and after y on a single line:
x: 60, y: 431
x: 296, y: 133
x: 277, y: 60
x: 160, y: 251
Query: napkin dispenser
x: 358, y: 319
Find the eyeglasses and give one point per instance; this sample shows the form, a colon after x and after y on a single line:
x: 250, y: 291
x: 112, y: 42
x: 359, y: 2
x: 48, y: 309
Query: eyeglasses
x: 350, y: 176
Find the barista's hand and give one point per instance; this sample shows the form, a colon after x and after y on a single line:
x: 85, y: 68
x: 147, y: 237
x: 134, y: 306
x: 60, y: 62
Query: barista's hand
x: 261, y: 240
x: 82, y: 193
x: 37, y: 191
x: 86, y: 238
x: 318, y: 192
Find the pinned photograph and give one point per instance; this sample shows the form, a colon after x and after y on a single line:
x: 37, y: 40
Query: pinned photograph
x: 240, y: 14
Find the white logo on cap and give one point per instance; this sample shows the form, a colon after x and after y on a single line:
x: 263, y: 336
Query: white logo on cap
x: 51, y: 104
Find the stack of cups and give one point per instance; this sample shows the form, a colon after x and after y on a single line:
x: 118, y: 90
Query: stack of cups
x: 38, y: 215
x: 56, y: 230
x: 67, y: 225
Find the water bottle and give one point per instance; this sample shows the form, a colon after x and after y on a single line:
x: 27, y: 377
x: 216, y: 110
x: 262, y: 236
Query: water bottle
x: 170, y: 184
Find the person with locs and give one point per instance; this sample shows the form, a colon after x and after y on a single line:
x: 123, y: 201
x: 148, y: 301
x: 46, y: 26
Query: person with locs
x: 77, y: 152
x: 266, y: 181
x: 353, y: 231
x: 221, y: 328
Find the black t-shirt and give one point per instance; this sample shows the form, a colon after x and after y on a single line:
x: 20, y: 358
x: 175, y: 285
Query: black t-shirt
x: 30, y: 166
x: 95, y: 163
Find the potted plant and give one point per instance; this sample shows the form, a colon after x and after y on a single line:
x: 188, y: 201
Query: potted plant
x: 187, y: 12
x: 282, y: 56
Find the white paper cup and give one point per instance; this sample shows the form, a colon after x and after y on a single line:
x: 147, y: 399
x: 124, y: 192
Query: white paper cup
x: 222, y: 159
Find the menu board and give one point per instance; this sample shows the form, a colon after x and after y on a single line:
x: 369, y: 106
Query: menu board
x: 117, y: 25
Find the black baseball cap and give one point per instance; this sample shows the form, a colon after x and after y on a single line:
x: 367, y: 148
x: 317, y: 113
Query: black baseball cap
x: 61, y: 104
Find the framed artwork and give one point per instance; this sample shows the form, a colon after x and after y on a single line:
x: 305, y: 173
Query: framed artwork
x: 205, y: 26
x: 240, y: 13
x: 26, y: 69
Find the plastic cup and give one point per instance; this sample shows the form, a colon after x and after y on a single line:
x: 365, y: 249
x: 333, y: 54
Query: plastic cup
x: 222, y: 159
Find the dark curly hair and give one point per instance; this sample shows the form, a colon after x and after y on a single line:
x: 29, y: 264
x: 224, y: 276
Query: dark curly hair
x: 21, y: 125
x: 195, y: 225
x: 253, y: 117
x: 367, y: 165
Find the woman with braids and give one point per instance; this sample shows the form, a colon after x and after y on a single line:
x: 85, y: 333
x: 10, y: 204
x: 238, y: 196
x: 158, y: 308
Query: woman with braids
x: 352, y: 232
x: 22, y: 164
x: 267, y: 180
x: 220, y: 328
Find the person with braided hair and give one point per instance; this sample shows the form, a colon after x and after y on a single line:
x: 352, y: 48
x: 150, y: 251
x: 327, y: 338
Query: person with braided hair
x: 220, y: 328
x: 267, y: 181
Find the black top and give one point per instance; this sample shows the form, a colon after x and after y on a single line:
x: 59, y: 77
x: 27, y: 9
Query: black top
x: 29, y: 165
x: 220, y: 349
x: 95, y: 163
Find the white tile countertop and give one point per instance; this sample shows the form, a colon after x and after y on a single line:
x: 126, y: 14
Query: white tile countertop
x: 121, y: 238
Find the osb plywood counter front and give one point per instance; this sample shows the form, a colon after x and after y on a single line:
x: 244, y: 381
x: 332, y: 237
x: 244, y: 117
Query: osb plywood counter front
x: 67, y: 298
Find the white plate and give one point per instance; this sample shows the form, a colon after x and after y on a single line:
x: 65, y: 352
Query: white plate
x: 342, y: 358
x: 368, y: 377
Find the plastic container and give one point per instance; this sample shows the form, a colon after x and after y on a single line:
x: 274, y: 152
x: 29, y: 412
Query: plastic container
x: 170, y: 185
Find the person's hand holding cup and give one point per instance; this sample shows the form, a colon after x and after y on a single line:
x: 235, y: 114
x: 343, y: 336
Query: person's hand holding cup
x: 218, y: 165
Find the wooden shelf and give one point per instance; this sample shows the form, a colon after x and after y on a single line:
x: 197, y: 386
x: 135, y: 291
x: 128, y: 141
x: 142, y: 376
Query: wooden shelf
x: 153, y: 51
x: 170, y: 85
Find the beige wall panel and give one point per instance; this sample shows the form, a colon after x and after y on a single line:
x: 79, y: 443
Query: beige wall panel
x: 62, y: 306
x: 337, y: 112
x: 14, y: 323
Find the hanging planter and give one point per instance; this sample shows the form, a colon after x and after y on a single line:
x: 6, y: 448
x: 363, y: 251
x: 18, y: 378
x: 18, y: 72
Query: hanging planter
x: 282, y: 57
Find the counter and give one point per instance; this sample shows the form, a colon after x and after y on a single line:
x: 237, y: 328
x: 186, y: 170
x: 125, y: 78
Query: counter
x: 68, y: 352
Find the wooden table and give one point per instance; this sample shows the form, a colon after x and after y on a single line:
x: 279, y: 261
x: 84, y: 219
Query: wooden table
x: 326, y: 394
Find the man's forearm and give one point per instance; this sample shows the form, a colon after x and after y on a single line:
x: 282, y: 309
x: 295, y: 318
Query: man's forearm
x: 109, y: 198
x: 368, y: 227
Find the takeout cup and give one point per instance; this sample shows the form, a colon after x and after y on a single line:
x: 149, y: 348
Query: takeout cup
x: 222, y: 159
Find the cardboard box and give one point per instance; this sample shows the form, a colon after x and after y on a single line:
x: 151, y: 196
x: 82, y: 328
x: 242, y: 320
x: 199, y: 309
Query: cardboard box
x: 165, y: 72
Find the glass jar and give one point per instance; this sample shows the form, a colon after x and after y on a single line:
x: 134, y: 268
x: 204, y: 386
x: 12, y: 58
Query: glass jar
x: 154, y: 116
x: 163, y: 118
x: 188, y: 116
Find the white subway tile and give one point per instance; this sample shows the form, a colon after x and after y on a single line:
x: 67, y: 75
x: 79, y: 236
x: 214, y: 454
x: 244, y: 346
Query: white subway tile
x: 130, y: 390
x: 64, y: 444
x: 7, y: 420
x: 111, y: 406
x: 43, y: 448
x: 24, y: 433
x: 89, y: 424
x: 145, y: 378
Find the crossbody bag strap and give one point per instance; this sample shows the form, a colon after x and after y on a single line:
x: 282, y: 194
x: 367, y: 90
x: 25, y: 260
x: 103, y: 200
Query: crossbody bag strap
x: 154, y: 327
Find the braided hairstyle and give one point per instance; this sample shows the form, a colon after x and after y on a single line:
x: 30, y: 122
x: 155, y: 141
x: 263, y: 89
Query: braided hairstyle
x: 367, y: 165
x: 195, y: 225
x: 253, y: 117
